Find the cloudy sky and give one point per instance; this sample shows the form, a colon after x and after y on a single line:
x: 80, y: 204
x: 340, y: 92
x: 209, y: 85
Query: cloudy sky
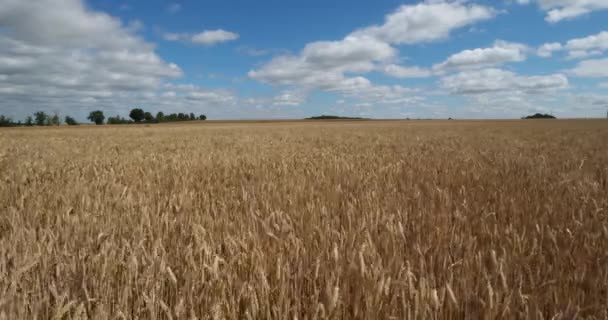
x: 239, y: 59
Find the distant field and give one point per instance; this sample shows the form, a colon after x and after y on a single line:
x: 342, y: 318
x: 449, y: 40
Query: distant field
x: 306, y: 220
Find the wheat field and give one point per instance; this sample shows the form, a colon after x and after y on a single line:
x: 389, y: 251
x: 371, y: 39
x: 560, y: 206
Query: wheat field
x: 306, y: 220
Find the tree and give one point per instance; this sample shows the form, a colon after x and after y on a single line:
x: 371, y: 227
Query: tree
x: 192, y: 116
x: 540, y: 116
x: 202, y: 117
x: 148, y: 117
x: 160, y: 116
x: 54, y: 120
x: 5, y: 121
x: 29, y: 121
x: 137, y: 114
x: 70, y: 121
x: 40, y: 117
x: 97, y: 117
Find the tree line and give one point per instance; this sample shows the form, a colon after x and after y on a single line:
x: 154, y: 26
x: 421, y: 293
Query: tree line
x: 136, y: 115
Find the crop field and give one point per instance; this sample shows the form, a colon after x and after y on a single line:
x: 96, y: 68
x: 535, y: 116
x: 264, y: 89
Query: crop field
x: 306, y: 220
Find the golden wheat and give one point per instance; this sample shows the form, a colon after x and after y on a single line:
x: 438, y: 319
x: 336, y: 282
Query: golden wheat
x: 306, y: 220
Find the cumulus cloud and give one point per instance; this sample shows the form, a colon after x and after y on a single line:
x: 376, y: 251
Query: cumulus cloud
x: 398, y: 71
x: 591, y: 45
x: 558, y: 10
x: 502, y: 52
x: 594, y: 68
x: 427, y: 21
x: 212, y: 37
x: 206, y: 38
x: 323, y: 64
x: 578, y: 48
x: 336, y: 66
x: 290, y: 98
x: 546, y: 50
x: 497, y: 80
x: 62, y: 51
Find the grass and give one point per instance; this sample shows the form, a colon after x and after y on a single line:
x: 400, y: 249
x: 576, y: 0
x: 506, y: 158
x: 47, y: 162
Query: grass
x: 306, y: 220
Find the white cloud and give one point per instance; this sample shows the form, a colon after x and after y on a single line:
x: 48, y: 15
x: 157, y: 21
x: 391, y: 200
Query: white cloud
x: 580, y: 54
x: 517, y: 104
x: 578, y: 48
x: 206, y: 38
x: 398, y: 71
x: 591, y: 45
x: 200, y: 96
x: 59, y: 53
x: 427, y: 21
x: 502, y: 52
x: 214, y: 98
x: 354, y: 54
x: 335, y: 66
x: 212, y: 37
x: 174, y: 8
x: 546, y: 50
x: 497, y: 80
x: 323, y: 64
x: 558, y: 10
x: 290, y: 98
x: 594, y: 68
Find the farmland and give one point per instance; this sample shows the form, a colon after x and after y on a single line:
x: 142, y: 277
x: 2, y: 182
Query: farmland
x: 306, y: 220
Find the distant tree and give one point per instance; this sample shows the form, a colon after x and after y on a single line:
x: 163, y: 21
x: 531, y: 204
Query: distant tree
x: 40, y: 118
x: 540, y: 116
x: 171, y: 117
x: 70, y: 121
x: 119, y: 120
x: 5, y: 121
x: 137, y: 114
x: 160, y: 116
x: 54, y: 120
x: 202, y: 117
x: 148, y: 117
x: 114, y: 120
x: 97, y: 117
x: 192, y: 116
x: 29, y: 121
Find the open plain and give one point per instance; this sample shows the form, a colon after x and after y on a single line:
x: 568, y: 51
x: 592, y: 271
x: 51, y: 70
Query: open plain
x: 306, y: 220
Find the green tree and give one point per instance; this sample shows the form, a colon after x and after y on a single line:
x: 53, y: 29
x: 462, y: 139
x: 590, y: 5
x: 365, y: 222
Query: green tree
x: 540, y: 116
x: 40, y: 118
x: 29, y: 121
x: 202, y: 117
x: 160, y: 116
x: 137, y: 114
x: 97, y: 117
x: 148, y: 117
x: 70, y: 121
x: 6, y: 121
x: 54, y: 120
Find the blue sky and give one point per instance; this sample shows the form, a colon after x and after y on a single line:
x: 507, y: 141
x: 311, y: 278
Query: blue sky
x: 291, y: 59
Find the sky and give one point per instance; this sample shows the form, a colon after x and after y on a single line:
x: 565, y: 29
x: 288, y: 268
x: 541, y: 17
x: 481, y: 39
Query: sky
x: 269, y: 59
